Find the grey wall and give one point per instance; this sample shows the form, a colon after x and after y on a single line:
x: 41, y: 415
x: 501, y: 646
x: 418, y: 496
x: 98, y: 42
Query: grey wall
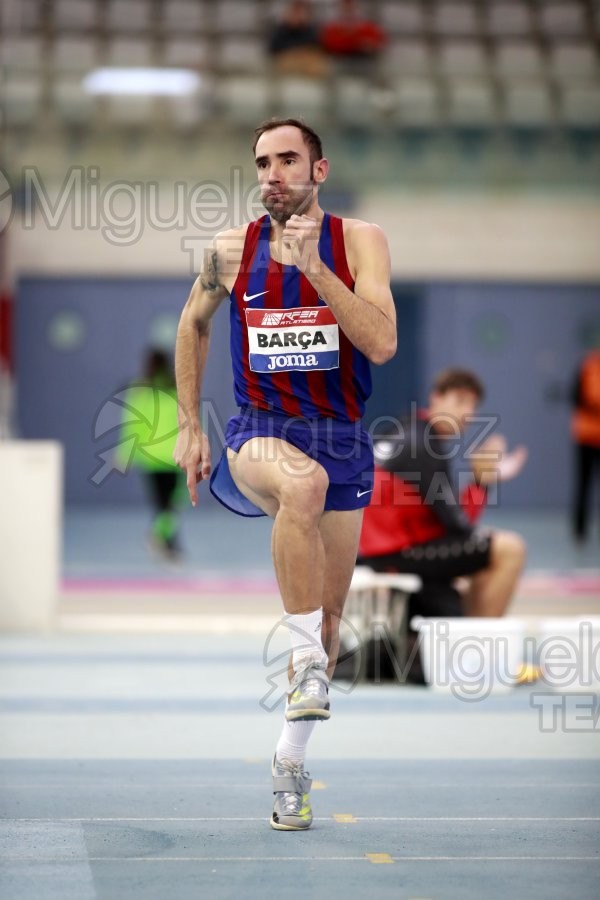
x: 79, y: 341
x: 525, y: 341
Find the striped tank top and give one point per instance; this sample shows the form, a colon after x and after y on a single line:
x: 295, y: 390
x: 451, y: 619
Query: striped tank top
x: 289, y: 354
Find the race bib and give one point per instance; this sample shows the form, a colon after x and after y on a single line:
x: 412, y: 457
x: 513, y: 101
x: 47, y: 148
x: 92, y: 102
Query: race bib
x: 292, y: 340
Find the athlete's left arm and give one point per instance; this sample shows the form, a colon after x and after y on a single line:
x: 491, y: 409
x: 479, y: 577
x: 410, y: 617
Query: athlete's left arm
x: 367, y: 316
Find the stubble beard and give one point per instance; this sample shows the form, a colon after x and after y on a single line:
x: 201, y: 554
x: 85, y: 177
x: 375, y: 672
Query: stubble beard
x: 282, y: 210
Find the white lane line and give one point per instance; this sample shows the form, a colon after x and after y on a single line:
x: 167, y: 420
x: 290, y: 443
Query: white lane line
x: 317, y: 819
x: 478, y: 818
x: 488, y: 785
x: 303, y: 859
x: 196, y: 623
x: 499, y: 858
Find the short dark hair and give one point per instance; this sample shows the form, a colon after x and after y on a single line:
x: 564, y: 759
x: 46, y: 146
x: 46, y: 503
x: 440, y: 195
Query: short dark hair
x: 458, y: 380
x: 311, y: 138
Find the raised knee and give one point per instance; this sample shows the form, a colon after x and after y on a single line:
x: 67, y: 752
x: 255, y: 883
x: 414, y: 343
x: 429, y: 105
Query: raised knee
x: 305, y: 494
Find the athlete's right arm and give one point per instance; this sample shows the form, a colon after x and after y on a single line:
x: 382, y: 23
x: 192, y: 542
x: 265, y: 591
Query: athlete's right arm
x: 192, y: 450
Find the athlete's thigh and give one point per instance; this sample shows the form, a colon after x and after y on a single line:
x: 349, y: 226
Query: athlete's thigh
x: 340, y: 533
x: 266, y: 469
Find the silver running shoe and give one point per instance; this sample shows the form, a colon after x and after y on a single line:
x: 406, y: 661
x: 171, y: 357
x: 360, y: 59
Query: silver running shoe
x: 291, y: 810
x: 308, y: 698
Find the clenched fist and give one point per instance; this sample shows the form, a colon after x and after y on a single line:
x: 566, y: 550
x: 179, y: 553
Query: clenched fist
x: 301, y: 235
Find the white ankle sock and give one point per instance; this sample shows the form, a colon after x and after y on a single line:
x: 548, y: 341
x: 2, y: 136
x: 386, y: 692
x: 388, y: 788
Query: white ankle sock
x: 293, y: 740
x: 305, y: 635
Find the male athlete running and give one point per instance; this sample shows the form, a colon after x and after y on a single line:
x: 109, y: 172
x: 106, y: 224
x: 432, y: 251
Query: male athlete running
x: 310, y: 307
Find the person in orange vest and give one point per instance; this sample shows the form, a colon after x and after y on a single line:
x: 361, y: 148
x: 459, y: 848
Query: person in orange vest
x: 585, y: 430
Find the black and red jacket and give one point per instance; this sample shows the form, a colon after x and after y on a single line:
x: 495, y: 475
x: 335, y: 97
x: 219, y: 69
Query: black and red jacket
x: 413, y: 499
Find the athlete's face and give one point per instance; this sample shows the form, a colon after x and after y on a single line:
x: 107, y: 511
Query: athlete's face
x: 288, y: 181
x: 451, y: 410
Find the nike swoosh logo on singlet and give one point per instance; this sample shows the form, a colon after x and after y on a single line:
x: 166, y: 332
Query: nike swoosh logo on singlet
x: 247, y: 298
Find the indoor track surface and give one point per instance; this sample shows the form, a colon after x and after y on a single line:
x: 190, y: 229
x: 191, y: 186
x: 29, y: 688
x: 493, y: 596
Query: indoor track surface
x: 139, y: 767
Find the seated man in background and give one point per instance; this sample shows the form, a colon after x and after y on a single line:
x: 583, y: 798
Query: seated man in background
x: 417, y: 524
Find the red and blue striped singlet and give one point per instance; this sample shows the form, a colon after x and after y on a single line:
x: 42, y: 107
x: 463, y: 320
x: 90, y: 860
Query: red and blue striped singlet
x: 289, y: 354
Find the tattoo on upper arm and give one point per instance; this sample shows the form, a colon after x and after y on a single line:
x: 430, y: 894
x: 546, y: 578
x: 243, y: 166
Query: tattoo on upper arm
x: 209, y: 279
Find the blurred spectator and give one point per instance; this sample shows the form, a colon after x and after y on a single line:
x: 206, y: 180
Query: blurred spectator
x: 351, y: 35
x: 585, y: 429
x: 417, y: 524
x: 294, y: 43
x: 148, y: 434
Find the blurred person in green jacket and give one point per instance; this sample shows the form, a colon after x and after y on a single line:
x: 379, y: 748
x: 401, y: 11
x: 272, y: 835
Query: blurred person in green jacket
x: 148, y: 434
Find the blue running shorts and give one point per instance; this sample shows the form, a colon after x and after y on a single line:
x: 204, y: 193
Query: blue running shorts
x: 344, y: 449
